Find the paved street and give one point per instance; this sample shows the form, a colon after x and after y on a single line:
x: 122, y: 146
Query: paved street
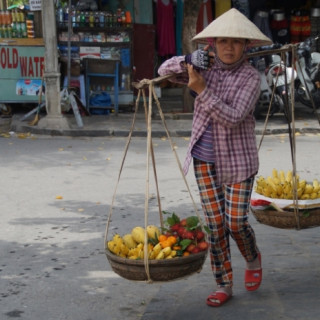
x: 55, y: 197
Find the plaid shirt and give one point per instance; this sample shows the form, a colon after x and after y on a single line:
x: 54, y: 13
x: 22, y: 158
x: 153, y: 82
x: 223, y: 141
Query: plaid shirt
x: 229, y: 100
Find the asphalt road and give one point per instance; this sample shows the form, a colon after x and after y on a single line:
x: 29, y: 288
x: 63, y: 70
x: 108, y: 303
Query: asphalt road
x: 54, y: 203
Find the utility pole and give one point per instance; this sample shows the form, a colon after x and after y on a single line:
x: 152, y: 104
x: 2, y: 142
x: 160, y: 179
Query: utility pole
x: 54, y: 118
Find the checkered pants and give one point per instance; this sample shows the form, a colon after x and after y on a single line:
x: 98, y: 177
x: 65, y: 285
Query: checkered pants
x: 226, y: 212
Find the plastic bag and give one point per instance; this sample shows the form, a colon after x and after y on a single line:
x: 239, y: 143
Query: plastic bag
x: 64, y: 100
x: 102, y: 99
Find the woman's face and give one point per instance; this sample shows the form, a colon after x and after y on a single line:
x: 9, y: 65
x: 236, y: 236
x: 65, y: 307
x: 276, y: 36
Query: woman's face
x: 230, y: 50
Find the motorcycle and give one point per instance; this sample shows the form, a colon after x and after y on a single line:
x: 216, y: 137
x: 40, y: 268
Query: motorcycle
x: 307, y: 85
x: 276, y: 78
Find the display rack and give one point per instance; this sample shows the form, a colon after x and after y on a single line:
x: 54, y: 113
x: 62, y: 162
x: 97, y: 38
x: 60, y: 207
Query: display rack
x: 103, y: 44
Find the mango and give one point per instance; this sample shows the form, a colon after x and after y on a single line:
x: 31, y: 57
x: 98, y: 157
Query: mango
x: 138, y: 234
x: 129, y: 241
x: 153, y: 232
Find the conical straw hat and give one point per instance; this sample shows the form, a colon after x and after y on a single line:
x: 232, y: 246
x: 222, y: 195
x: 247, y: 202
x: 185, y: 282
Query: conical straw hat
x: 233, y: 24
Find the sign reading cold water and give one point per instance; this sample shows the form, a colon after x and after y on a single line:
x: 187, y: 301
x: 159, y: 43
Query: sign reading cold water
x: 21, y: 70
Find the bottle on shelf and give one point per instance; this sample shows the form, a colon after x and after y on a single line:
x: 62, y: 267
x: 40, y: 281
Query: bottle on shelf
x: 82, y: 19
x: 97, y: 19
x: 102, y: 19
x: 14, y: 30
x: 91, y: 19
x: 87, y: 19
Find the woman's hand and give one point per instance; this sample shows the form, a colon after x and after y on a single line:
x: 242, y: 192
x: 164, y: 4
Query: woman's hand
x: 197, y: 83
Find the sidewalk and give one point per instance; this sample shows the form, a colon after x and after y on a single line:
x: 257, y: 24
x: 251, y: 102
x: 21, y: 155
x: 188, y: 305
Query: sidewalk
x: 179, y: 124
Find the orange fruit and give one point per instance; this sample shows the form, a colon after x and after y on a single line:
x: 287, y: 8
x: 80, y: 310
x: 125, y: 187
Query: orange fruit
x: 186, y: 253
x: 165, y: 244
x: 172, y: 239
x: 162, y: 237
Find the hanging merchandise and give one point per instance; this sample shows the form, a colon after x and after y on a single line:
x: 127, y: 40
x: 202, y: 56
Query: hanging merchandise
x: 243, y: 6
x: 204, y: 15
x: 315, y: 27
x: 280, y: 27
x: 179, y: 26
x: 315, y: 21
x: 221, y: 6
x: 261, y: 20
x: 300, y: 26
x: 165, y: 28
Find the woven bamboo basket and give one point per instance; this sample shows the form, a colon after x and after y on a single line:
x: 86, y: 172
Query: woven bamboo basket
x: 287, y: 219
x: 160, y: 270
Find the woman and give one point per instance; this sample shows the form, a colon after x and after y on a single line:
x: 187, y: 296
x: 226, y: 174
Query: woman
x: 222, y: 144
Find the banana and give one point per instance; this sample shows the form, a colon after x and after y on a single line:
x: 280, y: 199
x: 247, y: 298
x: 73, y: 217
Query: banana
x: 274, y: 173
x: 276, y: 180
x: 124, y: 250
x: 289, y: 176
x: 267, y: 191
x: 166, y: 251
x: 302, y: 184
x: 173, y: 253
x: 313, y: 195
x: 155, y: 251
x: 160, y: 256
x: 316, y: 185
x: 308, y: 189
x: 271, y: 184
x: 300, y: 192
x: 279, y: 189
x: 282, y: 176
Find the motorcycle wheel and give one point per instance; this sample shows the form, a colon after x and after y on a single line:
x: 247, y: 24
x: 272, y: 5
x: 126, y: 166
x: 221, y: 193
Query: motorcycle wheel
x: 301, y: 95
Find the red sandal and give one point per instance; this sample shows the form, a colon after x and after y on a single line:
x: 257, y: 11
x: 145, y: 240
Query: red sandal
x: 253, y: 276
x: 220, y: 298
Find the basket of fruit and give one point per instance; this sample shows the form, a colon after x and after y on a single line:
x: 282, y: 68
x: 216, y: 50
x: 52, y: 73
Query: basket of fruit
x: 272, y: 201
x: 175, y: 251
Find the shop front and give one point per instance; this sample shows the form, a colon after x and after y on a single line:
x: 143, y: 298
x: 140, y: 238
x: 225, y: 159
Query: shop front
x: 125, y: 41
x: 21, y: 54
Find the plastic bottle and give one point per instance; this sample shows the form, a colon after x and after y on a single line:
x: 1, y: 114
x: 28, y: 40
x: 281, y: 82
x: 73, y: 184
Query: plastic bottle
x: 91, y: 20
x: 4, y: 31
x: 128, y: 18
x: 78, y: 18
x: 102, y: 19
x: 87, y: 19
x: 97, y: 19
x: 18, y: 30
x: 22, y: 17
x: 9, y: 31
x: 82, y: 19
x: 23, y: 27
x: 65, y: 16
x: 14, y: 30
x: 73, y: 18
